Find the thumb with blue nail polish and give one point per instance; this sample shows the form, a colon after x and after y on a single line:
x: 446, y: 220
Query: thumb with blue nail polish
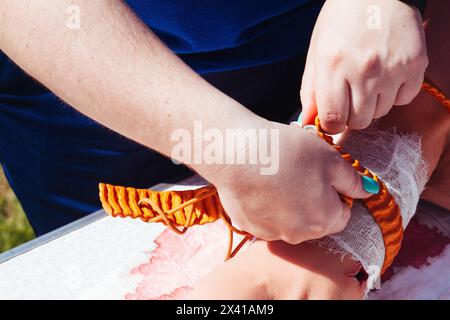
x: 370, y: 185
x: 350, y: 183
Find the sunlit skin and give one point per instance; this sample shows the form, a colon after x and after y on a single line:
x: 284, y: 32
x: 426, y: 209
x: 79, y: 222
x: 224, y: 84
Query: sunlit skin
x: 356, y: 71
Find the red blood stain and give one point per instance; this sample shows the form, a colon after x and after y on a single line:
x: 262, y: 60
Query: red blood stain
x: 419, y: 244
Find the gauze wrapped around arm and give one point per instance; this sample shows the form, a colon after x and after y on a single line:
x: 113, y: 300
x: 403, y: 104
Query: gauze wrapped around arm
x: 397, y: 160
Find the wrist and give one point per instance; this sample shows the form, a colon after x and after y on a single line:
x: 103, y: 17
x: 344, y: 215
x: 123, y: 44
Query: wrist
x: 220, y: 154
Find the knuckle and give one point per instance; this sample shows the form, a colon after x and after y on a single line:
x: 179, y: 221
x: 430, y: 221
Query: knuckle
x: 412, y: 61
x: 318, y: 230
x: 371, y: 65
x: 330, y: 57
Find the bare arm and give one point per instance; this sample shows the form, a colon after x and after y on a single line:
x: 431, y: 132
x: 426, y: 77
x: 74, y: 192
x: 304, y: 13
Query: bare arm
x: 114, y: 70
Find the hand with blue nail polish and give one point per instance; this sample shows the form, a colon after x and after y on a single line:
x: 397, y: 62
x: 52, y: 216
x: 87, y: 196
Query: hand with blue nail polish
x: 301, y: 200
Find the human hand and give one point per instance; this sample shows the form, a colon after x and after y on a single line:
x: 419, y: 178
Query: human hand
x: 365, y: 56
x: 300, y: 201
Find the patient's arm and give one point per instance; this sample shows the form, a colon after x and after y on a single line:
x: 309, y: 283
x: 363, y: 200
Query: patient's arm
x: 277, y: 270
x: 435, y: 124
x: 426, y: 117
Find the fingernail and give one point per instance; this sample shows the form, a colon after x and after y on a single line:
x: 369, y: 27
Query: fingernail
x: 299, y: 120
x: 370, y: 185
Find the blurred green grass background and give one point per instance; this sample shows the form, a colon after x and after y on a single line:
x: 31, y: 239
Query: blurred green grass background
x: 14, y: 226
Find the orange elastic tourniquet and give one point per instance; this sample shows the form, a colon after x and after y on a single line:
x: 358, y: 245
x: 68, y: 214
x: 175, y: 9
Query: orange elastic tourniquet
x: 183, y: 209
x: 382, y: 206
x: 437, y: 93
x: 176, y: 209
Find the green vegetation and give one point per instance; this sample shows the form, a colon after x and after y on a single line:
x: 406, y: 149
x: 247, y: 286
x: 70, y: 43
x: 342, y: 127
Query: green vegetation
x: 14, y: 226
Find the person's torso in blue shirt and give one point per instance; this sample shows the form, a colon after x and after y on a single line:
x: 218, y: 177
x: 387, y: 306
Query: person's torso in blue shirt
x: 217, y: 35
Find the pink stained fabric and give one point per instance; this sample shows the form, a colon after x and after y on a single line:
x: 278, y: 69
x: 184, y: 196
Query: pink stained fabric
x: 178, y: 262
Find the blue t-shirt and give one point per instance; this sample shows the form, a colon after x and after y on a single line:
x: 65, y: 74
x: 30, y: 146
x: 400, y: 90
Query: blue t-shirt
x: 54, y: 156
x: 217, y: 35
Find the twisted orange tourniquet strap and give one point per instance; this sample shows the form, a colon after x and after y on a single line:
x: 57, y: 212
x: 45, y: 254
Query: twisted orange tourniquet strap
x: 179, y: 210
x: 183, y: 209
x: 437, y: 93
x: 382, y: 206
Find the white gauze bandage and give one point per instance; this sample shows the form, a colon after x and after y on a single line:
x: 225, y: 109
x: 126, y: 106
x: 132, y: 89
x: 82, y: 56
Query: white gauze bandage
x: 397, y: 160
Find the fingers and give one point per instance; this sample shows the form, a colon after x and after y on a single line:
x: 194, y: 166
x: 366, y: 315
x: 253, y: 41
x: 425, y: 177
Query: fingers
x: 307, y: 92
x: 408, y: 91
x: 331, y: 216
x: 333, y: 100
x: 342, y: 104
x: 343, y: 216
x: 309, y: 106
x: 348, y: 182
x: 362, y: 109
x: 385, y: 101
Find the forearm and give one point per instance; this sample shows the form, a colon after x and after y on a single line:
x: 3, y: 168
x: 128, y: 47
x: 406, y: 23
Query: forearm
x: 114, y: 70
